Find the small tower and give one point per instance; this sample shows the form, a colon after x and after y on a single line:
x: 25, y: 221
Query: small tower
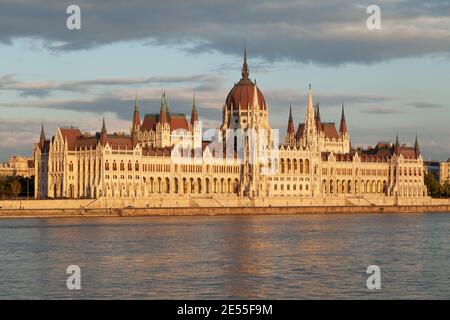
x: 397, y: 146
x: 343, y: 133
x: 318, y: 121
x: 196, y: 129
x: 310, y: 132
x: 163, y: 126
x: 343, y: 127
x: 290, y: 133
x: 194, y: 114
x: 416, y: 147
x: 163, y: 110
x: 135, y: 126
x: 136, y: 118
x: 42, y: 137
x: 103, y: 133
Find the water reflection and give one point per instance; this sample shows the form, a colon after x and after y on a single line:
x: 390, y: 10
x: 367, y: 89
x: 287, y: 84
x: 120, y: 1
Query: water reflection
x: 280, y: 257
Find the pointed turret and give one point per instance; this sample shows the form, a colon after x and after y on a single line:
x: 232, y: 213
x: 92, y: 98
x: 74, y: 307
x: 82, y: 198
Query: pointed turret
x: 290, y: 127
x: 416, y: 147
x: 343, y: 126
x: 194, y: 114
x: 163, y: 110
x: 136, y: 118
x: 42, y: 137
x: 397, y: 146
x: 103, y: 133
x: 245, y: 71
x: 318, y: 122
x: 310, y: 136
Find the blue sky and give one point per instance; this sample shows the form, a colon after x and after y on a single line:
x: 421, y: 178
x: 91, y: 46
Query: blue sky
x: 391, y: 80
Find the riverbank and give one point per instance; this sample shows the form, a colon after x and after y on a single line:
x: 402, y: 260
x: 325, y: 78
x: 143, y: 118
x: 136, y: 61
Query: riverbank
x: 213, y: 211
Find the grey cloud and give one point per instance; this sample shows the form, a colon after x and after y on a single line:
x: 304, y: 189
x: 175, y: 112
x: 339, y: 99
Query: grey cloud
x: 381, y: 110
x: 325, y: 32
x: 426, y: 105
x: 43, y: 89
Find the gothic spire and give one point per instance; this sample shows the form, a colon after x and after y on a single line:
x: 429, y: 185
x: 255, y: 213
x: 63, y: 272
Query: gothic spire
x: 245, y: 71
x: 318, y: 122
x: 343, y: 126
x: 194, y: 115
x: 103, y: 126
x: 416, y: 147
x: 397, y: 145
x: 290, y: 128
x: 42, y: 136
x: 163, y: 110
x: 136, y: 118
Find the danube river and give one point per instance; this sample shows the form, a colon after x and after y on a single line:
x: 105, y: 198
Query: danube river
x: 229, y: 257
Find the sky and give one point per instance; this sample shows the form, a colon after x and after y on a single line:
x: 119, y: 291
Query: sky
x: 395, y: 80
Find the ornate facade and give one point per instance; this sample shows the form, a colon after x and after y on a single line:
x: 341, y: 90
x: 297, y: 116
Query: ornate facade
x: 165, y: 155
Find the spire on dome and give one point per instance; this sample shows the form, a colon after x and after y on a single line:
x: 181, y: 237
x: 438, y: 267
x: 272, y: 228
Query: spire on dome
x: 245, y: 71
x: 343, y: 126
x: 194, y: 115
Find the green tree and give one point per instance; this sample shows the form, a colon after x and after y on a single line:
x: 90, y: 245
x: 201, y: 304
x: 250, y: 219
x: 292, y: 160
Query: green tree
x: 433, y: 186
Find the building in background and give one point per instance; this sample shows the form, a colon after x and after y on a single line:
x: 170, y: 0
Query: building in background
x: 315, y: 164
x: 432, y: 167
x: 444, y: 172
x: 17, y: 166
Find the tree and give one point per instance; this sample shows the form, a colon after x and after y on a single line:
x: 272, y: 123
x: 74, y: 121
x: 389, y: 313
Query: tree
x: 433, y: 186
x: 14, y: 187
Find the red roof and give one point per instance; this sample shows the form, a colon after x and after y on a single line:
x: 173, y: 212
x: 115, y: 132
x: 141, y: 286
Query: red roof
x: 178, y: 121
x: 330, y: 131
x: 242, y: 95
x: 71, y: 135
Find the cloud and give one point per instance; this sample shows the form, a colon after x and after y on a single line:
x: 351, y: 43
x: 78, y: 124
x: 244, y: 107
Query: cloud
x: 44, y: 89
x: 326, y: 32
x: 381, y: 110
x: 426, y: 105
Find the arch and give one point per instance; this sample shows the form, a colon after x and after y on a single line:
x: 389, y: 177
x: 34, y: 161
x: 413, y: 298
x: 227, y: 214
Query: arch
x: 301, y: 166
x: 307, y: 166
x: 175, y: 185
x: 207, y: 185
x: 167, y: 185
x: 199, y: 185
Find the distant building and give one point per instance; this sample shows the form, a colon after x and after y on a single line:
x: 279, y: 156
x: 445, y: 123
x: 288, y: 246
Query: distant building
x: 17, y: 166
x: 432, y: 167
x: 444, y: 172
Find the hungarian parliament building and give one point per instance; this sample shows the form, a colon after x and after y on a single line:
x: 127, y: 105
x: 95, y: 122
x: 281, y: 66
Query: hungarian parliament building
x: 166, y: 160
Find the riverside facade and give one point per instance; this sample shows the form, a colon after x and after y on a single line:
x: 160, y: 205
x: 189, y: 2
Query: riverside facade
x: 166, y: 156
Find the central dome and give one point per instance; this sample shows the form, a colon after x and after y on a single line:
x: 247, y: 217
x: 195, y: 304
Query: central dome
x: 243, y: 92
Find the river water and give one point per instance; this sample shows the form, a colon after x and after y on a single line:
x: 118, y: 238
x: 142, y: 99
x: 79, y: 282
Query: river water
x: 227, y: 257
